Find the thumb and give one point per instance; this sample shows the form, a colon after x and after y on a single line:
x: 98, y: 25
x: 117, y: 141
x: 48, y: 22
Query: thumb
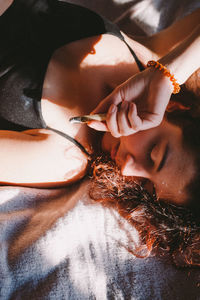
x: 99, y: 126
x: 115, y: 97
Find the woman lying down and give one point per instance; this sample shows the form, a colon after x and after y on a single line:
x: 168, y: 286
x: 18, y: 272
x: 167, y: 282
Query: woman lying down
x: 59, y: 60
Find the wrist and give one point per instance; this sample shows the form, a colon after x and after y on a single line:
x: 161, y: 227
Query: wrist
x: 165, y: 75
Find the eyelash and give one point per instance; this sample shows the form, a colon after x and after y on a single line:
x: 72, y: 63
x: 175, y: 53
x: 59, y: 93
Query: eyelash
x: 149, y: 153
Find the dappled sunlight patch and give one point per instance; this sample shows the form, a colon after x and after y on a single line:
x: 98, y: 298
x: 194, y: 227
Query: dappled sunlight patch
x: 7, y: 194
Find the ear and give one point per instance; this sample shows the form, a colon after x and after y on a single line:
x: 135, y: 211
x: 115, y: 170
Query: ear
x: 173, y: 105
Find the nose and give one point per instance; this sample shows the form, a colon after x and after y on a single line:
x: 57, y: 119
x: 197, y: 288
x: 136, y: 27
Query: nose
x: 129, y: 167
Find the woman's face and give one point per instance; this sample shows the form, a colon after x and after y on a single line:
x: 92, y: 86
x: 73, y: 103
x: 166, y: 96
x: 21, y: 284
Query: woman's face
x: 158, y: 155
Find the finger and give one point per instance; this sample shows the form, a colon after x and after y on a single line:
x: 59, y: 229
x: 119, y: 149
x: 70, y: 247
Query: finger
x: 99, y: 126
x: 114, y: 98
x: 127, y: 91
x: 111, y: 120
x: 121, y: 93
x: 123, y: 122
x: 134, y: 119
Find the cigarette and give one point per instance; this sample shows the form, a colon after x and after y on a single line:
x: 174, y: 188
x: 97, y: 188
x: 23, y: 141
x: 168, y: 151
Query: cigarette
x: 88, y: 118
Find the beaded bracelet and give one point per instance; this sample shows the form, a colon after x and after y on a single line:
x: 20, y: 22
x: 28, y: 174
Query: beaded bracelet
x: 166, y: 72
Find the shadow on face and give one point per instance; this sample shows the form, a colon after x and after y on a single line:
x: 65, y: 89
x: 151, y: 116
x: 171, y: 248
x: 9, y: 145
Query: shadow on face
x: 157, y: 155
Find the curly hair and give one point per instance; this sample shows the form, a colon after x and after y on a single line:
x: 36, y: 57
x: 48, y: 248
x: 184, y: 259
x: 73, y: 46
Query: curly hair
x: 164, y: 228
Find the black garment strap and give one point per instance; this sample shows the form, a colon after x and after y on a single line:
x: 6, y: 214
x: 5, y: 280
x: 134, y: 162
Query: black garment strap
x: 138, y: 62
x: 113, y: 29
x: 71, y: 139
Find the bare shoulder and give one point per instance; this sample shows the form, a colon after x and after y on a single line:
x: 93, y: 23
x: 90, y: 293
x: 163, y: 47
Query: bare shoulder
x: 4, y: 4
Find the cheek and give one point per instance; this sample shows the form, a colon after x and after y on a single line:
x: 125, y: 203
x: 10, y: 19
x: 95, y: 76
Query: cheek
x: 107, y: 142
x: 105, y: 145
x: 162, y: 190
x: 171, y: 193
x: 166, y: 184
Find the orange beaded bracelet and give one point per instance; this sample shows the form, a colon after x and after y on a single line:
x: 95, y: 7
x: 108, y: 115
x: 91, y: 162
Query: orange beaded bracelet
x: 166, y: 72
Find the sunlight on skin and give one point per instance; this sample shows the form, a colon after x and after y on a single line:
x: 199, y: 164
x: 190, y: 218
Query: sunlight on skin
x: 104, y: 53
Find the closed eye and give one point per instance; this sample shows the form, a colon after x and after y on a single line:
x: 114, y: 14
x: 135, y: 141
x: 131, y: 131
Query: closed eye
x: 149, y: 157
x: 163, y: 160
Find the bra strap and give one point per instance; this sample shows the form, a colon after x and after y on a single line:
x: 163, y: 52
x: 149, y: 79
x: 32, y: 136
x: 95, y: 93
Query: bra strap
x: 138, y: 62
x: 113, y: 29
x: 71, y: 139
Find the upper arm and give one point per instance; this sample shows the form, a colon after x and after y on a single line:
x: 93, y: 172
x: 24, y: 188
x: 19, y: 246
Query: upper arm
x: 39, y: 158
x: 20, y: 156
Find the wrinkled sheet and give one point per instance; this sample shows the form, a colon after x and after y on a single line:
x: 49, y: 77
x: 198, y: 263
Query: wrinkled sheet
x: 58, y: 244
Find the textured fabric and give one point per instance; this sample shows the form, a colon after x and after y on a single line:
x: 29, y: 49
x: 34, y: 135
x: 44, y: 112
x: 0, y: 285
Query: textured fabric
x: 83, y: 255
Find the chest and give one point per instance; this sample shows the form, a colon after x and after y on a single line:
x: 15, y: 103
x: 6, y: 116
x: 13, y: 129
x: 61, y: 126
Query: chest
x: 80, y: 75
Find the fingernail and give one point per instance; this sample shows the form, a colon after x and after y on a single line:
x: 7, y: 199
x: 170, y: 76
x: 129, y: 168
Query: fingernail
x: 112, y: 108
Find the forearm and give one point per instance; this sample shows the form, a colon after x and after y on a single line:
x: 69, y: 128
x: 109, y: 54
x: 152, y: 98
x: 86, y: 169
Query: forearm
x: 184, y: 60
x: 164, y: 41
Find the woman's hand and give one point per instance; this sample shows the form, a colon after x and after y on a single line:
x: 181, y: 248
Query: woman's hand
x: 137, y: 104
x: 140, y: 102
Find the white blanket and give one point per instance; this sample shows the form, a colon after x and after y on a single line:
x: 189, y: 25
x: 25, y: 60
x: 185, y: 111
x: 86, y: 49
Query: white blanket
x: 83, y: 255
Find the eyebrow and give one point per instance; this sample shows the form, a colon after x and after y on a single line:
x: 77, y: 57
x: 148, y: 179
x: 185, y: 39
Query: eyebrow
x: 163, y: 159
